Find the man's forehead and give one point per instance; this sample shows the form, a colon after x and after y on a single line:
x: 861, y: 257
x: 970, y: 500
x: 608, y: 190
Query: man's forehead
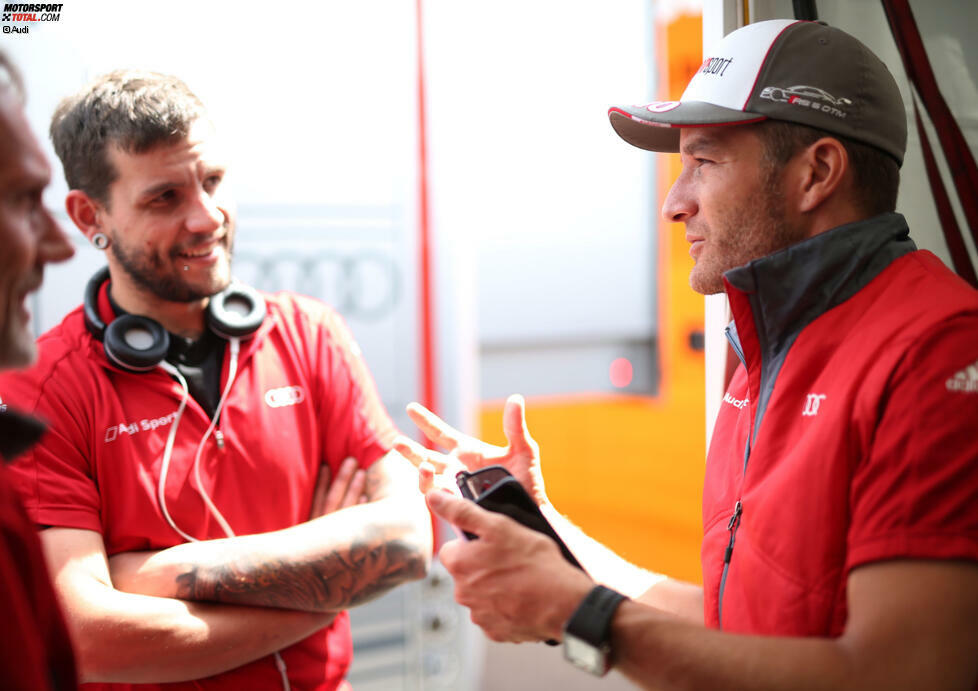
x: 200, y: 148
x: 21, y: 157
x: 693, y: 139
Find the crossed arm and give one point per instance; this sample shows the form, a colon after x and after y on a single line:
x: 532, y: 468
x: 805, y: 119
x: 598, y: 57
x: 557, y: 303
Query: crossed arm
x: 218, y: 604
x: 911, y: 624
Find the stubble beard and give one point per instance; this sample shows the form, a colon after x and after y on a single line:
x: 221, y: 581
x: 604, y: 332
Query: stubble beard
x: 167, y: 283
x: 755, y: 228
x: 17, y: 346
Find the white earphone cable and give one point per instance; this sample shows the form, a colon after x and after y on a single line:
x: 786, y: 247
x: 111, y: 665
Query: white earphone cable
x: 165, y: 467
x: 232, y: 373
x: 168, y: 449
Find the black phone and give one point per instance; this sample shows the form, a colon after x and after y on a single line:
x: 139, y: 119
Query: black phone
x: 495, y: 489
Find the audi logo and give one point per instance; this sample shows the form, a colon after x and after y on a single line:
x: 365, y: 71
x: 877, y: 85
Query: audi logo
x: 284, y: 396
x: 360, y: 285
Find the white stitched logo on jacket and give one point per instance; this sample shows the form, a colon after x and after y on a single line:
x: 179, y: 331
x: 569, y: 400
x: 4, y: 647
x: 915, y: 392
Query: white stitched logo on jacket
x: 738, y: 403
x: 283, y: 396
x: 147, y: 424
x: 812, y: 403
x: 966, y: 380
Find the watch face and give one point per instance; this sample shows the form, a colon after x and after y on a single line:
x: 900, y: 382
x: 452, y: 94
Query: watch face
x: 584, y: 655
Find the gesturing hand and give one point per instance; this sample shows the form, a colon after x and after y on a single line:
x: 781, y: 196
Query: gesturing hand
x: 521, y: 456
x: 514, y: 580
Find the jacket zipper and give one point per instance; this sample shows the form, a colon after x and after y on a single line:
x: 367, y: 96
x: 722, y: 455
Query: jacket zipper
x: 734, y: 521
x: 727, y: 554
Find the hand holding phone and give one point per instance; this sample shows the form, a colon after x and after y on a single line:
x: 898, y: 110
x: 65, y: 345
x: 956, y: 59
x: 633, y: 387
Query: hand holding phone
x: 495, y: 489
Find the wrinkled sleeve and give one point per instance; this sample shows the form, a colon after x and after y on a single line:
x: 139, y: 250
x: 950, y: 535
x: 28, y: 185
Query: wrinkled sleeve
x: 916, y: 494
x: 354, y: 421
x: 55, y: 477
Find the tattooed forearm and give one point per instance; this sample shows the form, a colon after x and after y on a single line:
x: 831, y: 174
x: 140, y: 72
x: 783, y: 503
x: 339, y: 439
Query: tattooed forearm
x: 342, y: 577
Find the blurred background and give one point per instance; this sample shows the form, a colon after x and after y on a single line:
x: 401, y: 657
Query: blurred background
x: 443, y: 172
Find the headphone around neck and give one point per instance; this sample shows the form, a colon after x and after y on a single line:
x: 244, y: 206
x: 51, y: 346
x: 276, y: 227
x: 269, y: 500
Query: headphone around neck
x: 138, y: 344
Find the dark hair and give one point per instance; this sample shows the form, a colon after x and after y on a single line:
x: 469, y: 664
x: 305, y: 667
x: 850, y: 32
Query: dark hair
x: 134, y: 110
x: 876, y: 174
x: 10, y: 77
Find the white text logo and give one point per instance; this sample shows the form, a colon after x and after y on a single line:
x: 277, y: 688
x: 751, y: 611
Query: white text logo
x: 147, y: 424
x: 812, y: 404
x: 286, y: 395
x: 736, y: 403
x: 966, y: 380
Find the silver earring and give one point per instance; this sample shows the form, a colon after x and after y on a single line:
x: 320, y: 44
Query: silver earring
x: 100, y: 240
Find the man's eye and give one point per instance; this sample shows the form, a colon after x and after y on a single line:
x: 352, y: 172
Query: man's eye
x: 165, y: 197
x: 212, y: 181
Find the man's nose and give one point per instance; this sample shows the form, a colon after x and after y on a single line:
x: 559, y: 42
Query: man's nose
x: 54, y: 245
x: 206, y: 216
x: 680, y: 204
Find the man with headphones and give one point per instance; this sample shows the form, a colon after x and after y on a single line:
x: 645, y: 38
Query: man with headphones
x: 35, y: 651
x: 190, y: 418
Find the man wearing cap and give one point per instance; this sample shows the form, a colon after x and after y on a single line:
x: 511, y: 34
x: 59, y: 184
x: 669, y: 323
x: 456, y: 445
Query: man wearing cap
x: 840, y: 506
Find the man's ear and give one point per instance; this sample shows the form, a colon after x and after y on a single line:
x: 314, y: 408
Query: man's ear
x: 824, y: 166
x: 85, y: 212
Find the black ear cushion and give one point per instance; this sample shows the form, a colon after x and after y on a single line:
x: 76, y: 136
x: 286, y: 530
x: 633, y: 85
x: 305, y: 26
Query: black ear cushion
x: 236, y: 312
x: 90, y: 303
x: 135, y: 343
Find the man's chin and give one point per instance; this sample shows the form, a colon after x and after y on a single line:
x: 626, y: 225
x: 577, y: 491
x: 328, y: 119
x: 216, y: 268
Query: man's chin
x: 17, y: 350
x: 197, y: 287
x: 705, y: 282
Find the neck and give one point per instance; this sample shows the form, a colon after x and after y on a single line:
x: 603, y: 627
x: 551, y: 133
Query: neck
x: 832, y: 213
x: 182, y: 318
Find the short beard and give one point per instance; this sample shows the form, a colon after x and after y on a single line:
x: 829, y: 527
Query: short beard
x: 148, y: 273
x: 756, y: 229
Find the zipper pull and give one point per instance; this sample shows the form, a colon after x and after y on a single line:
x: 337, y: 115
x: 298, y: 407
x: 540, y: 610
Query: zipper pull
x: 219, y: 438
x: 732, y: 527
x: 735, y: 519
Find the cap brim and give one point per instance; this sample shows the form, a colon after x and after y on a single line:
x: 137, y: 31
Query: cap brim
x: 658, y: 130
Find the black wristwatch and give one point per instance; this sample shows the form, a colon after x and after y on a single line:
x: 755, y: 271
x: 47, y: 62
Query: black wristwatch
x: 587, y: 634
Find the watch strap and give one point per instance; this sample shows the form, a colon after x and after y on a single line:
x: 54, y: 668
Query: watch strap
x: 591, y: 620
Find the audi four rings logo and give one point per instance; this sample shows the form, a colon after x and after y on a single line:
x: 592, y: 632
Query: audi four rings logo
x: 364, y: 284
x: 284, y: 396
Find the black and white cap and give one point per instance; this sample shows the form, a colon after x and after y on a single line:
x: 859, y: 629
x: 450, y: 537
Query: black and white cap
x: 796, y: 71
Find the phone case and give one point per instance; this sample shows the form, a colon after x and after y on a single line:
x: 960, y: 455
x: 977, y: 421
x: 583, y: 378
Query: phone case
x: 509, y: 498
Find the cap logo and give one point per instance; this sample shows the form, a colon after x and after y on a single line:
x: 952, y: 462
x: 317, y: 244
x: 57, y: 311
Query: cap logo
x: 662, y: 106
x: 715, y: 65
x: 807, y: 97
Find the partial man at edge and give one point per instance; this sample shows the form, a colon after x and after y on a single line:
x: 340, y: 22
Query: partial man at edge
x: 189, y: 419
x: 840, y: 540
x: 35, y: 650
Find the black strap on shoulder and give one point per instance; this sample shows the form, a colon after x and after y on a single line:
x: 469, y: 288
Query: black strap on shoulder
x: 958, y: 155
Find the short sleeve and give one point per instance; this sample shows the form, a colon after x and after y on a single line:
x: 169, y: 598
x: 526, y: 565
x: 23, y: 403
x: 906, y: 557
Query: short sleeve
x: 356, y: 423
x: 916, y: 494
x: 54, y: 477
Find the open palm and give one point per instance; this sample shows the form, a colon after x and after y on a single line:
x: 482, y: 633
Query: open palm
x: 521, y: 455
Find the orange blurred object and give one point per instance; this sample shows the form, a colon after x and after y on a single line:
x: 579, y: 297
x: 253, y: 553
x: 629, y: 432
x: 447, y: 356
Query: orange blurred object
x: 629, y: 469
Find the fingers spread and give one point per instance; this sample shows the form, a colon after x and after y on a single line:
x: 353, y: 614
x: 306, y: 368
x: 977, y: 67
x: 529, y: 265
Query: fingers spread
x: 417, y: 454
x: 433, y: 427
x: 426, y: 477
